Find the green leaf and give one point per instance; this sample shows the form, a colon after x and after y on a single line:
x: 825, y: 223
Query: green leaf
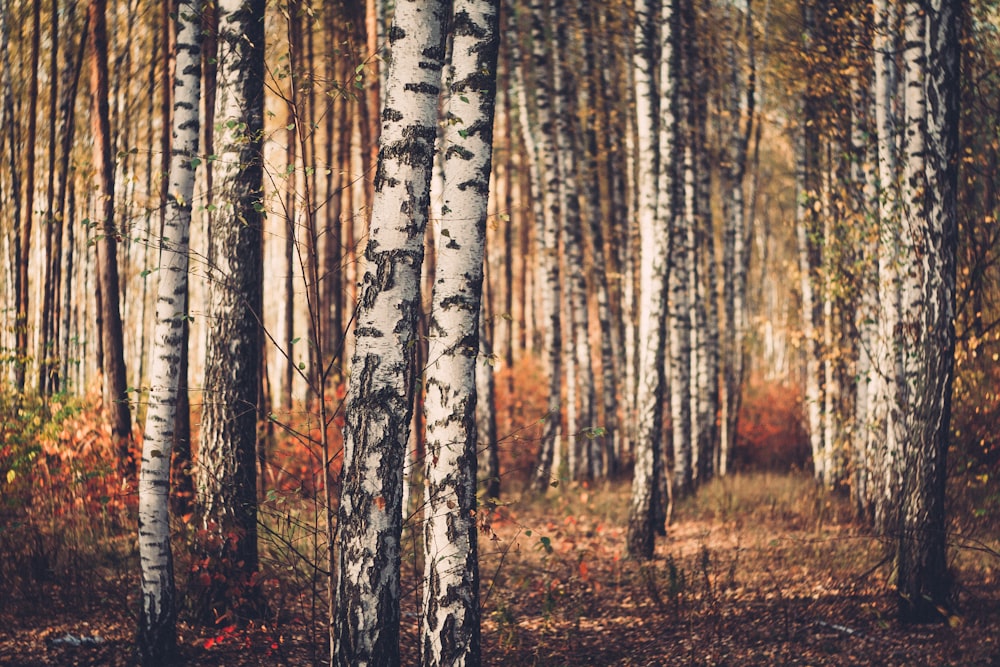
x: 464, y: 98
x: 295, y: 340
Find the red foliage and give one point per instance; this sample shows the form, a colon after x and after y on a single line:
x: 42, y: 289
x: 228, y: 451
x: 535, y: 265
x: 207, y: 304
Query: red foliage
x: 520, y: 401
x: 294, y: 457
x: 771, y: 434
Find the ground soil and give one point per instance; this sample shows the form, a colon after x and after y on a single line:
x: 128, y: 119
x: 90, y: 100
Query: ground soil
x: 764, y: 570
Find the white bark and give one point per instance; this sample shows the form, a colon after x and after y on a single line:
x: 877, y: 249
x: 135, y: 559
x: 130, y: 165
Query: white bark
x: 156, y: 636
x: 451, y: 572
x: 882, y: 446
x: 808, y: 234
x: 379, y: 403
x: 548, y: 242
x: 655, y: 181
x: 928, y: 240
x: 679, y: 218
x: 579, y: 368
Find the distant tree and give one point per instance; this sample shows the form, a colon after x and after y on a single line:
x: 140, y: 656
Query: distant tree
x: 379, y: 401
x: 157, y: 616
x: 106, y: 242
x: 734, y: 251
x: 227, y: 484
x: 547, y: 237
x: 28, y: 210
x: 808, y: 234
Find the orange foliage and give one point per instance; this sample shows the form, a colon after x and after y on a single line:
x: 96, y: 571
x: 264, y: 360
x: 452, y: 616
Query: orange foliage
x: 294, y: 456
x: 771, y: 434
x: 519, y: 400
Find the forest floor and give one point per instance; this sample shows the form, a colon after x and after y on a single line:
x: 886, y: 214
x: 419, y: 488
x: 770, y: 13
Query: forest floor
x: 757, y: 569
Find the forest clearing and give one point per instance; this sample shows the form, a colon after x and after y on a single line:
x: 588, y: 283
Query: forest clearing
x: 451, y: 332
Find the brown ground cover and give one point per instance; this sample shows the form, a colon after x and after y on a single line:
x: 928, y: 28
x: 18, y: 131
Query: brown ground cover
x: 758, y: 569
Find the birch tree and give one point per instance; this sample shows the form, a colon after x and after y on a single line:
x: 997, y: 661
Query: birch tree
x: 808, y: 235
x: 928, y: 241
x: 227, y: 480
x: 655, y: 181
x: 734, y: 233
x: 158, y: 613
x: 547, y: 236
x: 451, y: 568
x: 379, y: 403
x: 580, y: 393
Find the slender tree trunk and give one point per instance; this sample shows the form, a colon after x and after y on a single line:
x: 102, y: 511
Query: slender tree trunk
x: 158, y: 613
x: 882, y: 447
x: 580, y: 385
x: 11, y: 136
x: 548, y: 242
x: 809, y: 243
x: 603, y: 457
x: 46, y: 349
x: 62, y: 245
x: 451, y: 634
x: 116, y: 396
x: 366, y: 624
x: 30, y: 153
x: 655, y: 182
x: 734, y: 248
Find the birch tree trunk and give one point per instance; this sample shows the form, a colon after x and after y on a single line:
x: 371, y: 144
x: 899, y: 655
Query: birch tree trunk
x: 864, y: 199
x: 808, y: 236
x: 654, y: 168
x: 676, y: 210
x: 882, y: 444
x: 63, y: 241
x: 451, y: 633
x: 604, y: 456
x: 580, y: 374
x: 379, y: 404
x: 157, y: 618
x: 548, y: 242
x: 734, y: 249
x: 21, y: 357
x: 227, y: 477
x: 928, y: 239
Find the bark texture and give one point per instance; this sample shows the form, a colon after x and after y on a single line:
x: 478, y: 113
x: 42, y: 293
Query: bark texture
x: 929, y: 241
x: 157, y: 636
x: 380, y: 392
x: 451, y: 634
x: 227, y: 478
